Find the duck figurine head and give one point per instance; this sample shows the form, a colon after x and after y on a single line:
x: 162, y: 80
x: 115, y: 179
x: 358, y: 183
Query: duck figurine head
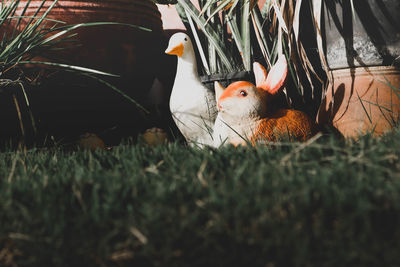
x: 181, y: 46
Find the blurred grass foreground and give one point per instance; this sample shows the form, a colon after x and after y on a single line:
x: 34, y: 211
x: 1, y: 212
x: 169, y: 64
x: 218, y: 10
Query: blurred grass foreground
x: 327, y: 202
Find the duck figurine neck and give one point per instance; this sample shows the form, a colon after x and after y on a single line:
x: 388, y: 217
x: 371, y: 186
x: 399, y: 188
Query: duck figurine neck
x: 187, y: 67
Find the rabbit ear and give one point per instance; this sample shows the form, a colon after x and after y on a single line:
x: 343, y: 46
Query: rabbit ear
x: 219, y: 89
x: 276, y: 76
x: 260, y: 73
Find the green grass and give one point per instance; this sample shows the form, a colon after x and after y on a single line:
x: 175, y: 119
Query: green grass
x: 330, y: 203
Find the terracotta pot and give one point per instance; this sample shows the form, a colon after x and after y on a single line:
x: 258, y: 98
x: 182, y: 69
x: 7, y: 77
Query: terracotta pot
x: 117, y: 49
x: 359, y: 101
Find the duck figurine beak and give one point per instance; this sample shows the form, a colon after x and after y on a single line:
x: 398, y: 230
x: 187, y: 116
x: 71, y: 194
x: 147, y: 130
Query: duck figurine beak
x: 175, y: 50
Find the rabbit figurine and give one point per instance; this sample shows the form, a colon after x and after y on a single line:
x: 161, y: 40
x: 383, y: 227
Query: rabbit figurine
x: 245, y: 113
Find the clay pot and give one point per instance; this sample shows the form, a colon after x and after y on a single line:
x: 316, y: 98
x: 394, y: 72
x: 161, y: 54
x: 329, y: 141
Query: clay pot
x: 360, y: 100
x: 117, y: 49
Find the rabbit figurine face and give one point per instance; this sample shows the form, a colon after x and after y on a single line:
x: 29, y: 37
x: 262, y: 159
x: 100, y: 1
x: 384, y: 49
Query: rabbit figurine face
x: 245, y: 101
x: 242, y: 101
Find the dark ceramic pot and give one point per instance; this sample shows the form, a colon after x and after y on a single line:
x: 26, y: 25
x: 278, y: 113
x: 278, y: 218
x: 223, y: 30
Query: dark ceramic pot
x: 68, y: 105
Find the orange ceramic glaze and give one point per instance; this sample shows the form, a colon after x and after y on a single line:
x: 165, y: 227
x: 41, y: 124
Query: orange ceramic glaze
x: 294, y: 124
x: 177, y: 50
x: 232, y: 88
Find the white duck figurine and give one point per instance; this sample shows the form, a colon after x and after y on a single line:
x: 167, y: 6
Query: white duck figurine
x: 192, y: 105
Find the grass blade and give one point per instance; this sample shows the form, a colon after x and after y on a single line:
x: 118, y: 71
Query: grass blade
x: 365, y: 110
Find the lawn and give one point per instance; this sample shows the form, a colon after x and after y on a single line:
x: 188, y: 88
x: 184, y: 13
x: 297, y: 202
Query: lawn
x: 327, y: 202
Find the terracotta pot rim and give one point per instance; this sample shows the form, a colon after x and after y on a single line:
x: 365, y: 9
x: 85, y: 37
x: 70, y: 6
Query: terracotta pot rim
x: 366, y: 71
x: 90, y: 3
x: 71, y: 12
x: 145, y: 7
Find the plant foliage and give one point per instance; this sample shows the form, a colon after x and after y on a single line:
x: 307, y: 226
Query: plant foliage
x: 232, y: 34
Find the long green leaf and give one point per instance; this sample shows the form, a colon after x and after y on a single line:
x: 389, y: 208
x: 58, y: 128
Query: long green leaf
x: 40, y: 40
x: 70, y: 67
x: 279, y: 15
x: 212, y: 53
x: 198, y: 43
x: 66, y: 29
x: 261, y: 38
x: 211, y: 35
x: 231, y: 20
x: 210, y: 3
x: 29, y: 28
x: 246, y: 38
x: 219, y: 8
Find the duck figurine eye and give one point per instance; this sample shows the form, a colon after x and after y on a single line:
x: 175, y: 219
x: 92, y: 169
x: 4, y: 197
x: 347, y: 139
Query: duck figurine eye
x: 243, y: 93
x: 185, y: 39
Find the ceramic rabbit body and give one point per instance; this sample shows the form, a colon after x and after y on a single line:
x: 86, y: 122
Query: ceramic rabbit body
x: 245, y: 113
